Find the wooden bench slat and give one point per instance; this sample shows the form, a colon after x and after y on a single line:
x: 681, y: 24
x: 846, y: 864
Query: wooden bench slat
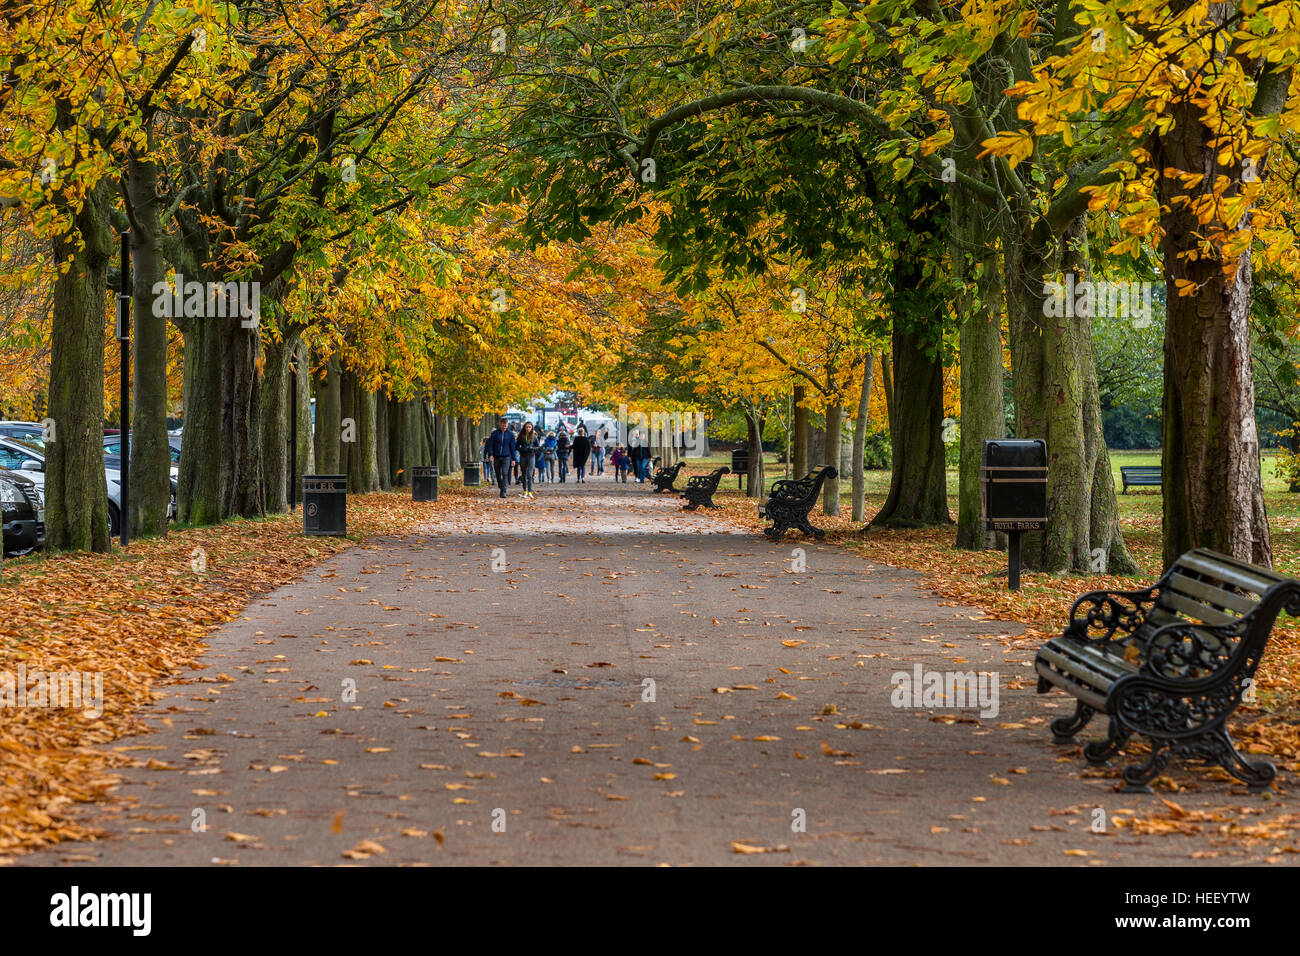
x: 1207, y: 592
x: 1195, y: 609
x: 1234, y: 574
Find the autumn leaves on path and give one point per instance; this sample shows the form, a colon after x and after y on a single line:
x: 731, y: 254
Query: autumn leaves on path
x: 555, y: 681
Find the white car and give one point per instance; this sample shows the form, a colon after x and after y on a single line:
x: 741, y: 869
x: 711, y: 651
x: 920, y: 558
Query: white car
x: 29, y: 461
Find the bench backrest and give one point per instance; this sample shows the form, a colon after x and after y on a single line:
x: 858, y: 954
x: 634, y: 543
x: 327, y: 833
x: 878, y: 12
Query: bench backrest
x: 1205, y: 587
x: 1140, y: 471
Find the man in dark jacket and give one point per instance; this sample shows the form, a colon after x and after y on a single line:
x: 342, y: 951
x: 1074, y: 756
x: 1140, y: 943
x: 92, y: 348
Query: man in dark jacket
x: 500, y: 448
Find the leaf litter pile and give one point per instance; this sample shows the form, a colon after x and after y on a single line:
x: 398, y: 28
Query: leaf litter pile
x: 136, y: 617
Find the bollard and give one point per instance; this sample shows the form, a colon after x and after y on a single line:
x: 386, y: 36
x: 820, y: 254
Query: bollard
x: 325, y: 505
x: 424, y: 483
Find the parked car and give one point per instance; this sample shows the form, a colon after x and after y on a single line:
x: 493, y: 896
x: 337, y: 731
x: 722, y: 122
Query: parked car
x: 25, y: 431
x: 113, y: 446
x: 29, y: 461
x: 22, y: 511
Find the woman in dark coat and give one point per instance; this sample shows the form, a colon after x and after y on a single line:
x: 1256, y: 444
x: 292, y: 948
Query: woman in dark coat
x: 581, y: 452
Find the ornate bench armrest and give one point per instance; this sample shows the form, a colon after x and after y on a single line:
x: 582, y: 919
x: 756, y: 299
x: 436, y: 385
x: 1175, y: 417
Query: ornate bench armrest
x: 1183, y: 652
x: 789, y: 489
x: 1109, y: 615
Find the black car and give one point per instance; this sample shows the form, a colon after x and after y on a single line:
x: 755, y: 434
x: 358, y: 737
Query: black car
x: 23, y: 513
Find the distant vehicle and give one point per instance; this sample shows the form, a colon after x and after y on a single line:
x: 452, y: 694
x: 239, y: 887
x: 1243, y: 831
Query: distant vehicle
x: 22, y: 510
x: 26, y: 431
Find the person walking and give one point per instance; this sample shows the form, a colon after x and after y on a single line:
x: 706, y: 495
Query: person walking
x: 526, y: 448
x: 619, y: 461
x: 562, y: 452
x: 514, y: 465
x: 540, y: 457
x: 598, y: 454
x: 500, y: 450
x: 548, y: 454
x: 581, y: 452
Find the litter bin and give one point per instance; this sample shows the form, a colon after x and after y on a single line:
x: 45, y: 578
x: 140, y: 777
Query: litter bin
x: 424, y: 483
x: 473, y: 474
x: 740, y: 465
x: 1013, y: 475
x: 325, y: 505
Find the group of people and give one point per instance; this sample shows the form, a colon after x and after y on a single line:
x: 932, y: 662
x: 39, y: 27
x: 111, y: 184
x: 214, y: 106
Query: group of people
x: 522, y: 454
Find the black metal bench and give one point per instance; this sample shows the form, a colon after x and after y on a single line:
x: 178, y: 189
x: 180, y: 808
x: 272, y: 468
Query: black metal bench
x: 1139, y: 475
x: 1170, y: 663
x: 700, y: 489
x: 663, y: 478
x: 790, y: 501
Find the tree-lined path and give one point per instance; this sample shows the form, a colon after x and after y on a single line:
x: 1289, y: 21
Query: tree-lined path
x: 523, y: 689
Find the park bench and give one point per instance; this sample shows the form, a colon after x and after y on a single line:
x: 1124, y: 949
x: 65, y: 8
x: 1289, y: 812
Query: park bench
x: 663, y: 478
x: 700, y: 489
x: 1170, y: 663
x: 1139, y: 475
x: 790, y: 501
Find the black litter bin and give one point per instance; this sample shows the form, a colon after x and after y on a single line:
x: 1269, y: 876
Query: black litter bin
x: 473, y: 474
x: 424, y: 483
x: 740, y: 465
x: 1013, y: 474
x: 325, y: 505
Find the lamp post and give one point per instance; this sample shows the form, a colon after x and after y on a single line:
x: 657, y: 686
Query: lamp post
x: 293, y: 430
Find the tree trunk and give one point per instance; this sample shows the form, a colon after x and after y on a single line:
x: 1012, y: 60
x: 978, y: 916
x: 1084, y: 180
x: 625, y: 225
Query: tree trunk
x: 1055, y: 387
x: 918, y: 493
x: 329, y: 415
x: 76, y: 493
x: 151, y: 461
x: 860, y: 440
x: 275, y: 424
x: 1213, y: 490
x: 306, y: 442
x: 199, y: 494
x: 367, y: 451
x: 983, y: 414
x: 241, y: 402
x: 887, y: 387
x: 800, y: 453
x: 754, y: 440
x: 831, y: 456
x: 349, y: 431
x: 465, y: 425
x: 383, y: 460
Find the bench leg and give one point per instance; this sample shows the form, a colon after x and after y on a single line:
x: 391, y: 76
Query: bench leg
x: 1255, y: 774
x: 776, y: 532
x: 1138, y: 777
x: 1099, y: 751
x: 1064, y: 728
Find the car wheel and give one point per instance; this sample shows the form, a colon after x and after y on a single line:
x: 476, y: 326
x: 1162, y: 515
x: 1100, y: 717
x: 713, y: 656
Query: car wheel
x: 114, y: 522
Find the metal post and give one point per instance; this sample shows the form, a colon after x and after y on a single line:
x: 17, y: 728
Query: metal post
x: 124, y: 337
x: 293, y: 431
x: 1013, y: 560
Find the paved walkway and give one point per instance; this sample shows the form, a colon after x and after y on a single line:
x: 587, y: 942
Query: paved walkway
x: 570, y: 685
